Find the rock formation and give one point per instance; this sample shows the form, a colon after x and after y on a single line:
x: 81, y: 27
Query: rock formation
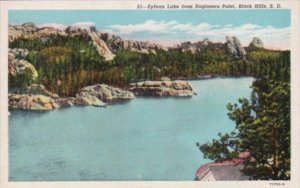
x: 38, y: 89
x: 256, y: 43
x: 29, y: 31
x: 106, y: 93
x: 164, y: 78
x: 65, y: 102
x: 31, y: 102
x: 18, y: 66
x: 19, y: 53
x: 188, y: 47
x: 37, y: 97
x: 234, y: 47
x: 106, y: 44
x: 115, y: 42
x: 45, y: 32
x: 87, y: 99
x: 198, y: 46
x: 101, y: 46
x: 162, y: 88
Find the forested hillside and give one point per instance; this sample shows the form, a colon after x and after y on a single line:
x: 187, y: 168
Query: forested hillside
x: 68, y: 63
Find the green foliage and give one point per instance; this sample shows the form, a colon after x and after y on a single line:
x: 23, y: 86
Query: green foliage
x: 262, y: 127
x: 21, y: 80
x: 73, y: 61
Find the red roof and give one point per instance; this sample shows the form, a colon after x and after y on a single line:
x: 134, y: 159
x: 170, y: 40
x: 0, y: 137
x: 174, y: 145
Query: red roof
x: 233, y: 162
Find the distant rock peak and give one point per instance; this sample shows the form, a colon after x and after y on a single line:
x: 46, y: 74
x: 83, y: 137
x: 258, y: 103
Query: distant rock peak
x: 257, y: 43
x: 234, y: 47
x: 108, y: 44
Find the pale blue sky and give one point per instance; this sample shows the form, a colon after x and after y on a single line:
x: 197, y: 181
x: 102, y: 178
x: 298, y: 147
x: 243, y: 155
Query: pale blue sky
x: 172, y: 26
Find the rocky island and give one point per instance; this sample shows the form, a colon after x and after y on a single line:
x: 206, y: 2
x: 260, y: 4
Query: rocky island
x: 176, y: 88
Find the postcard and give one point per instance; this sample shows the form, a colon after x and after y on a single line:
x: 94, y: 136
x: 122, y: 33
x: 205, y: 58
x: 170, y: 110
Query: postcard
x: 150, y: 93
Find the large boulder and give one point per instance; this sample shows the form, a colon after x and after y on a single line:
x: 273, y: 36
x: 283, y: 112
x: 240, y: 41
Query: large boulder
x: 101, y: 46
x: 31, y: 102
x: 234, y: 47
x: 87, y: 99
x: 26, y: 30
x: 107, y: 93
x: 164, y: 78
x: 256, y: 43
x: 30, y: 31
x: 19, y: 53
x: 176, y: 88
x: 65, y: 102
x: 46, y: 31
x: 74, y: 30
x: 188, y: 47
x: 18, y: 66
x: 91, y: 31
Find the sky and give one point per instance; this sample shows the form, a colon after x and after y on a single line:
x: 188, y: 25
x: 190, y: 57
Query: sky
x: 170, y: 27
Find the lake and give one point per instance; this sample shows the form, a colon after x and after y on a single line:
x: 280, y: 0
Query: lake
x: 146, y: 138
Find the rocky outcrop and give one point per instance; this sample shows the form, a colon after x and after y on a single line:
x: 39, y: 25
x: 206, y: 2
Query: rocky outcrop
x: 26, y: 30
x: 38, y: 89
x: 234, y: 47
x: 101, y: 46
x: 77, y: 30
x: 198, y: 46
x: 256, y: 43
x: 164, y: 78
x: 19, y: 53
x: 98, y: 43
x: 45, y: 32
x: 115, y: 43
x: 176, y: 88
x: 188, y: 47
x: 65, y: 102
x: 31, y: 102
x: 87, y: 99
x: 19, y: 66
x: 29, y: 31
x: 37, y: 97
x: 106, y: 44
x: 106, y: 93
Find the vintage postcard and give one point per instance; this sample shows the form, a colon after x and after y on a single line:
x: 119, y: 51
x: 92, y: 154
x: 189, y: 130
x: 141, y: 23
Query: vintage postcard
x: 150, y: 93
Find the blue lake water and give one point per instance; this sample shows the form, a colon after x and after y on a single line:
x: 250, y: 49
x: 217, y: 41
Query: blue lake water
x: 144, y: 139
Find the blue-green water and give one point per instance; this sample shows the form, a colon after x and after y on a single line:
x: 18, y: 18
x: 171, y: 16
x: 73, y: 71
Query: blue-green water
x: 144, y: 139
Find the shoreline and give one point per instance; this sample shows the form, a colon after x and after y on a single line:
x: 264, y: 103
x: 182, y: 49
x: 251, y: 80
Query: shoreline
x: 66, y: 102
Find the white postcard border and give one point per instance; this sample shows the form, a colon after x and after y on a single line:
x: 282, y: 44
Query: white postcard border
x: 132, y: 5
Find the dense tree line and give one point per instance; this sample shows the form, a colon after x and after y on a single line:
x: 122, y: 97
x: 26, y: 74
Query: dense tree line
x: 67, y: 63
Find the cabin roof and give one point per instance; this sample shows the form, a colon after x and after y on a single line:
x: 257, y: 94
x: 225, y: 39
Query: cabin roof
x: 227, y: 169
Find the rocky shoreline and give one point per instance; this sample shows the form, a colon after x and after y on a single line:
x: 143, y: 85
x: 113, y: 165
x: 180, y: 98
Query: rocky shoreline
x: 37, y: 98
x: 176, y: 88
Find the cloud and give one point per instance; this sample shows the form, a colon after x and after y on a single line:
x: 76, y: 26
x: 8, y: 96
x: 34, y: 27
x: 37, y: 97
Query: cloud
x: 273, y: 37
x: 82, y: 25
x: 174, y: 32
x: 148, y: 26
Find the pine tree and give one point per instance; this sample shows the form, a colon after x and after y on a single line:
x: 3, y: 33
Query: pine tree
x: 262, y: 128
